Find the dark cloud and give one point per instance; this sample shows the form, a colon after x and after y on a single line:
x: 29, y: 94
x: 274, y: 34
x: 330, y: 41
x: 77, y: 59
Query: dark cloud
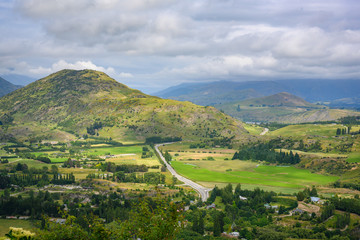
x: 161, y: 42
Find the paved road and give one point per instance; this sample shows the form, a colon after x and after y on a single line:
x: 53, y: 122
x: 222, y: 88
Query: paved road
x: 264, y: 131
x: 204, y: 192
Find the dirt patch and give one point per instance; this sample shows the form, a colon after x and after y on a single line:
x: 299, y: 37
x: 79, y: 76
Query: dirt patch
x: 310, y: 208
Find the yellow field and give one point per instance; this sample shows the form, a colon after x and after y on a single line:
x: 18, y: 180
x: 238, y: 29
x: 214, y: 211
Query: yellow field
x: 134, y: 159
x: 78, y: 172
x: 318, y: 154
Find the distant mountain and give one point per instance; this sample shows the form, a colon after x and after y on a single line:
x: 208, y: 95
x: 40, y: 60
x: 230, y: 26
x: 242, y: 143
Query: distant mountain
x: 220, y: 92
x: 6, y: 87
x: 74, y: 103
x: 282, y: 107
x: 212, y: 93
x: 346, y: 103
x: 18, y: 79
x: 282, y: 99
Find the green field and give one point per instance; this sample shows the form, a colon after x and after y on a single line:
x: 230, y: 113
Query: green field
x: 253, y: 129
x: 114, y: 150
x: 354, y: 157
x: 302, y: 130
x: 282, y: 177
x: 6, y: 223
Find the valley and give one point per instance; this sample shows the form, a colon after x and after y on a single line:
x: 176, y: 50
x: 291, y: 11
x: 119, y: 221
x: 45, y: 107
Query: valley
x: 79, y: 149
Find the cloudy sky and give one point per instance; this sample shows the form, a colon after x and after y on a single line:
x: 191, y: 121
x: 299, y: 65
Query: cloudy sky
x: 154, y: 44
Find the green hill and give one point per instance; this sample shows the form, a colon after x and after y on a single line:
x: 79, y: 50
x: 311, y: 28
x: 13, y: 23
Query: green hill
x: 282, y: 107
x: 70, y: 102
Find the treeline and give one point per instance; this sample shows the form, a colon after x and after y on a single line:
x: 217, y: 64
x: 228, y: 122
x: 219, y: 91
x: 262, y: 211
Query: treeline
x: 154, y: 140
x: 24, y: 180
x: 96, y: 126
x: 35, y: 205
x: 347, y: 204
x: 263, y: 152
x: 126, y: 168
x: 146, y: 153
x: 350, y: 120
x: 149, y: 177
x: 350, y: 185
x: 33, y: 156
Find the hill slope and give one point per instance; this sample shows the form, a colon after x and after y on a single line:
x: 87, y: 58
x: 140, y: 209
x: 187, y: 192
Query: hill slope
x: 282, y: 107
x: 72, y: 101
x: 280, y: 99
x: 6, y: 87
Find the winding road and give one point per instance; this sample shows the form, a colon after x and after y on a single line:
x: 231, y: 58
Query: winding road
x: 265, y: 131
x: 204, y: 192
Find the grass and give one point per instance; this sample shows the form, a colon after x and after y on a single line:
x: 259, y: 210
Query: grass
x: 354, y: 157
x: 31, y: 163
x: 282, y: 177
x: 114, y: 150
x: 78, y: 172
x: 253, y: 129
x: 137, y: 160
x: 303, y: 130
x: 318, y: 154
x: 6, y: 223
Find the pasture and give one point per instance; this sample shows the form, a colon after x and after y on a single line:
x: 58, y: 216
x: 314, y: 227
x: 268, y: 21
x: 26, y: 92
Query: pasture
x: 303, y: 130
x: 253, y: 129
x: 354, y: 157
x: 6, y: 223
x: 113, y: 150
x: 278, y: 178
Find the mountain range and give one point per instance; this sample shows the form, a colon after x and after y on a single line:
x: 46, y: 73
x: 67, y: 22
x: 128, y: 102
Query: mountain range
x: 282, y: 107
x: 211, y: 93
x: 73, y: 103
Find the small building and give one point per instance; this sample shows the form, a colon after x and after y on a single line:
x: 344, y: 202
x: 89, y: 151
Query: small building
x: 268, y: 206
x: 243, y: 198
x: 297, y: 211
x: 234, y: 234
x: 211, y: 206
x: 315, y: 199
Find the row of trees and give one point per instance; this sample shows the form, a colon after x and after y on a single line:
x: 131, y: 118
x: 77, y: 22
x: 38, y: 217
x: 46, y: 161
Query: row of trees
x: 35, y: 205
x: 24, y: 180
x: 127, y: 168
x: 262, y: 152
x: 121, y: 176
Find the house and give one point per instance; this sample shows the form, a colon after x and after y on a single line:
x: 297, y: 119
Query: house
x: 315, y: 199
x: 297, y: 211
x: 268, y: 206
x: 234, y: 234
x: 243, y: 198
x: 211, y: 206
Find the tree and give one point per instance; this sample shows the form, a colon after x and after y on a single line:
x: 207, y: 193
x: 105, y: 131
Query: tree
x: 300, y: 196
x: 218, y: 226
x: 238, y: 108
x: 237, y: 190
x: 54, y: 169
x: 338, y: 131
x: 146, y: 222
x: 313, y: 192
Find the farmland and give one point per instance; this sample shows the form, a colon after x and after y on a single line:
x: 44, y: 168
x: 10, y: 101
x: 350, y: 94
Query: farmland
x: 303, y: 130
x: 6, y: 223
x: 281, y: 178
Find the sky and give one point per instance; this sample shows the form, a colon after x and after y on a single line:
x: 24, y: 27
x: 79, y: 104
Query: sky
x: 154, y: 44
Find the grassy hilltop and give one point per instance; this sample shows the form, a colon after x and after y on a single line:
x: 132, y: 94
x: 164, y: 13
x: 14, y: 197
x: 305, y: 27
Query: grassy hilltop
x: 69, y: 102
